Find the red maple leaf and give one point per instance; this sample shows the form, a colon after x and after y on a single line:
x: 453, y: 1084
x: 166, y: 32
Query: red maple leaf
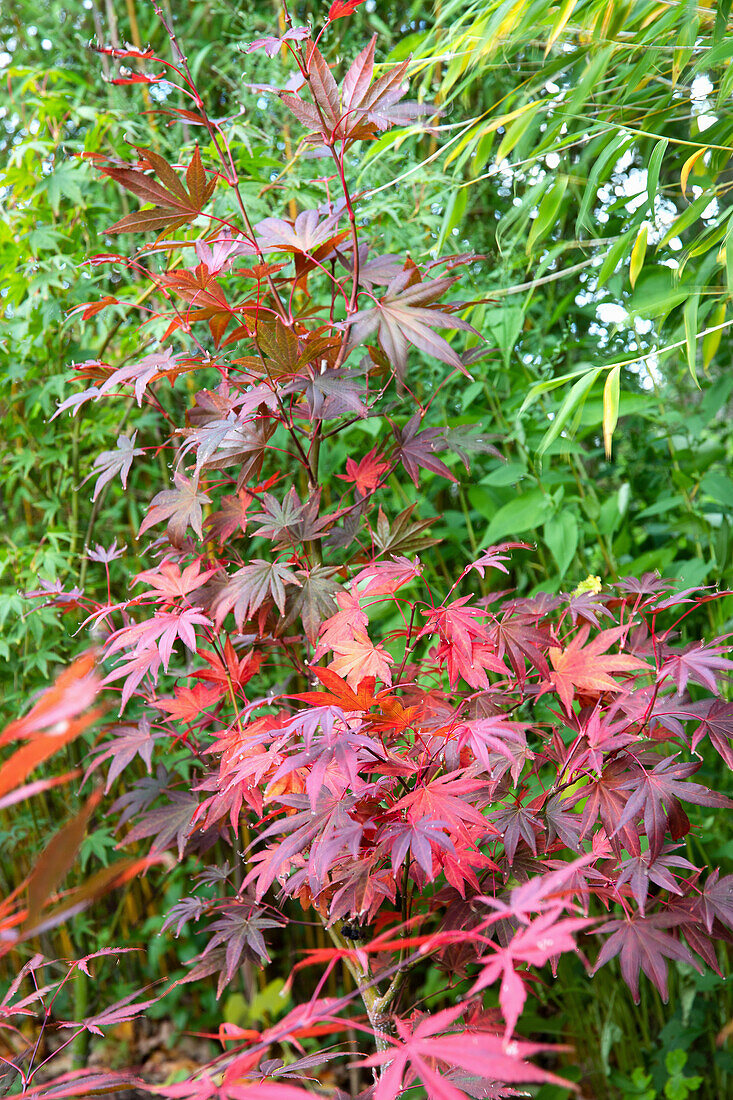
x: 341, y: 8
x: 365, y: 474
x: 188, y: 703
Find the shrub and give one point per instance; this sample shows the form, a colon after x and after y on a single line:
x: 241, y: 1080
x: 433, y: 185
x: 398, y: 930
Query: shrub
x: 454, y: 785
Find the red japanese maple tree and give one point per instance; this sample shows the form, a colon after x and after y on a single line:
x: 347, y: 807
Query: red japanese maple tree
x: 470, y: 789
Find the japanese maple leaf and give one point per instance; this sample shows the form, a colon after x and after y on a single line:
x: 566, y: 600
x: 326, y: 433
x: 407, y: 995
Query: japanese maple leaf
x: 315, y: 600
x: 231, y: 516
x: 306, y: 235
x: 586, y: 670
x: 233, y: 669
x: 359, y: 658
x: 167, y: 824
x: 444, y: 800
x: 160, y: 633
x: 656, y: 794
x: 495, y: 740
x: 382, y: 578
x: 405, y: 316
x: 520, y: 639
x: 458, y: 624
x: 605, y: 797
x: 600, y: 736
x: 338, y: 693
x: 715, y: 901
x: 495, y: 556
x: 717, y: 722
x: 419, y: 838
x: 127, y: 743
x: 416, y: 1054
x: 470, y: 668
x: 643, y: 944
x: 220, y: 444
x: 543, y: 938
x: 110, y: 463
x: 172, y: 583
x: 341, y: 8
x: 188, y: 704
x: 366, y: 473
x: 416, y: 449
x: 239, y: 930
x: 700, y: 663
x: 514, y: 823
x: 248, y: 588
x: 640, y: 870
x: 174, y: 204
x: 291, y: 521
x: 343, y: 626
x: 180, y: 506
x: 146, y: 370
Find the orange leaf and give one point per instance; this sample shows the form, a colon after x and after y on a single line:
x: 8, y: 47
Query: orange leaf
x: 58, y: 856
x: 585, y: 670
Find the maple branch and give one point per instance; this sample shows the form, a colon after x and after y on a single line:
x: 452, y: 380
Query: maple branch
x: 214, y: 131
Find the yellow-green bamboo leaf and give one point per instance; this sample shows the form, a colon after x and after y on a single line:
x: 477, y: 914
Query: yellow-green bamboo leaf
x: 611, y: 396
x: 547, y: 213
x: 729, y: 255
x: 559, y: 25
x: 691, y: 333
x: 711, y: 342
x: 515, y: 131
x: 638, y: 252
x: 689, y: 165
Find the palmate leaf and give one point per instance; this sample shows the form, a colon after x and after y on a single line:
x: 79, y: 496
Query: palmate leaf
x: 412, y: 1056
x: 402, y: 535
x: 584, y: 669
x: 404, y: 316
x: 180, y: 506
x: 110, y: 463
x: 314, y: 601
x: 643, y: 944
x: 417, y: 448
x: 656, y: 794
x: 239, y: 931
x: 167, y: 824
x: 174, y: 204
x: 249, y: 588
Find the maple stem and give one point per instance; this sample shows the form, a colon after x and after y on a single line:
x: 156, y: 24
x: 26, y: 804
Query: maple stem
x: 226, y: 160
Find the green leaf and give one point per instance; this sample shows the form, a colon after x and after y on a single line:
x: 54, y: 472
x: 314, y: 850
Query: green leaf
x: 719, y: 487
x: 524, y: 513
x: 547, y: 213
x: 691, y: 334
x: 611, y: 393
x: 615, y: 255
x: 573, y: 401
x: 454, y: 210
x: 655, y: 163
x: 561, y: 535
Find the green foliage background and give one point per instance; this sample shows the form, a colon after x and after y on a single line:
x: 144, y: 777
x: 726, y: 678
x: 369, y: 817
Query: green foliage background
x: 583, y: 152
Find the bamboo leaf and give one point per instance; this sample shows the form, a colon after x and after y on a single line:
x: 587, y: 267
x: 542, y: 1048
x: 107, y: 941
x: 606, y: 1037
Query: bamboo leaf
x: 611, y: 394
x: 573, y: 401
x: 547, y: 213
x: 689, y: 165
x: 711, y: 341
x: 655, y: 164
x: 559, y: 25
x: 638, y: 252
x: 691, y: 333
